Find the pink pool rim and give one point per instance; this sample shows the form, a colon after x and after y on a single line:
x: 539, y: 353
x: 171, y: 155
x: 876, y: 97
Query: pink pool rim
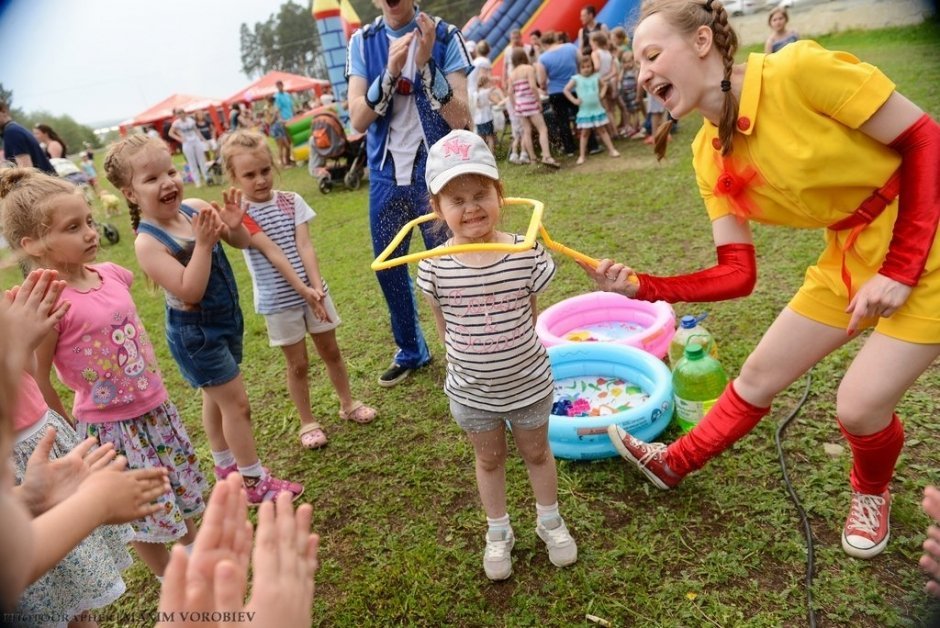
x: 654, y: 323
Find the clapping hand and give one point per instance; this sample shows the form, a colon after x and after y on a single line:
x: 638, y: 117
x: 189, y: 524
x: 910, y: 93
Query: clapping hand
x: 125, y: 495
x: 233, y: 209
x: 48, y: 482
x: 33, y: 308
x: 207, y: 226
x: 426, y: 38
x: 215, y: 577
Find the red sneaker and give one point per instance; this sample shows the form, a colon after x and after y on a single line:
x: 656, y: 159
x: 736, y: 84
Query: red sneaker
x: 649, y: 457
x: 867, y: 528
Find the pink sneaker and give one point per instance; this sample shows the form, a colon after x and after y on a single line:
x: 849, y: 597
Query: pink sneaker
x: 269, y: 488
x: 649, y: 457
x: 223, y: 472
x: 867, y: 528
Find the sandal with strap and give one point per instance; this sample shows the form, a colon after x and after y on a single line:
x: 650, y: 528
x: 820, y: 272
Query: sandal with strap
x: 358, y: 413
x: 312, y: 436
x: 551, y: 163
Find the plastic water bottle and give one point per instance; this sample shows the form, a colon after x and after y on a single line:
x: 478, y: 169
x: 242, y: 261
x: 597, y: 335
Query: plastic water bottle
x: 690, y: 326
x: 697, y: 381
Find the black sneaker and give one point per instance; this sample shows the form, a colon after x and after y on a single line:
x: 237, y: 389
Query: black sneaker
x: 394, y: 374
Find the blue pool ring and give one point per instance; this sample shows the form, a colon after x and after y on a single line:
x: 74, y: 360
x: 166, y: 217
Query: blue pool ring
x: 585, y: 438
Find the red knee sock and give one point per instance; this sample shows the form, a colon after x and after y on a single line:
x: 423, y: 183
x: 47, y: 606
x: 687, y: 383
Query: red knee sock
x: 728, y: 420
x: 874, y: 457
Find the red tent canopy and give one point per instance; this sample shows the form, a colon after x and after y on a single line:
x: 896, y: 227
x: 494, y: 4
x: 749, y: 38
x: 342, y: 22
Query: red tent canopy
x: 164, y: 110
x: 267, y: 86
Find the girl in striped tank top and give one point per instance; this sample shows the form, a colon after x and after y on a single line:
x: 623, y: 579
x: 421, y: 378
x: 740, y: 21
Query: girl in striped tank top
x: 497, y: 370
x: 288, y: 289
x: 524, y: 95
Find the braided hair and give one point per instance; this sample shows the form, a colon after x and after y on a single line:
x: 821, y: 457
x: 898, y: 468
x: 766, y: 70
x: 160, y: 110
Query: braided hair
x: 687, y: 16
x: 117, y: 166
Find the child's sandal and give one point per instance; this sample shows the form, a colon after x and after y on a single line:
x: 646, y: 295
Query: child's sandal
x: 312, y: 436
x: 358, y: 413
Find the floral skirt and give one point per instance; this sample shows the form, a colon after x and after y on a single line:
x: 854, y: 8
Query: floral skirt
x: 158, y: 439
x: 89, y: 576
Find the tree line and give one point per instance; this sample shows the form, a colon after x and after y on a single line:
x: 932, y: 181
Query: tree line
x: 288, y: 40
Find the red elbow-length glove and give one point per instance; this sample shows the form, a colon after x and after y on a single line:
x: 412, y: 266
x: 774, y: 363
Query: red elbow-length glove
x: 919, y: 203
x: 734, y: 276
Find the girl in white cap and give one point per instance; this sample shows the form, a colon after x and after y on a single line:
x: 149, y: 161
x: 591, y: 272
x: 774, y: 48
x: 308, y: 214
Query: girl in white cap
x: 497, y: 370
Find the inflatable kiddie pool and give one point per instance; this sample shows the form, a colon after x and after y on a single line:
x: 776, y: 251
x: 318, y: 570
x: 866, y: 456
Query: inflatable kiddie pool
x: 607, y: 317
x: 597, y: 384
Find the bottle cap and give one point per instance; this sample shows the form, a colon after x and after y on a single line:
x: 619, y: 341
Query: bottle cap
x: 694, y: 351
x: 688, y: 322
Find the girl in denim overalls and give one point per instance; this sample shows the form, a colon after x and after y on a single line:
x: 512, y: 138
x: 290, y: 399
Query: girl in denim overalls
x: 178, y: 247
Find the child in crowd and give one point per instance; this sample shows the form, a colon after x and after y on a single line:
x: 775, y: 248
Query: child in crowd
x: 591, y: 114
x: 178, y: 247
x: 607, y: 68
x: 525, y: 97
x: 483, y: 110
x: 76, y: 492
x: 88, y: 167
x: 632, y: 126
x: 102, y: 352
x: 497, y: 370
x: 289, y: 290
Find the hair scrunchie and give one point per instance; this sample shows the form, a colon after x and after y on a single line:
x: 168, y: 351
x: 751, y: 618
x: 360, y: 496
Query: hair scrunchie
x: 726, y: 85
x: 708, y: 5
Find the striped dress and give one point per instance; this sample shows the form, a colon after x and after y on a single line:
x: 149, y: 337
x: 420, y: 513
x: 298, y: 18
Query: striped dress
x: 527, y: 103
x: 495, y: 361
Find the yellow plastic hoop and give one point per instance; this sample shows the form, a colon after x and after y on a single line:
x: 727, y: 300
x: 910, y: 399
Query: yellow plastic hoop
x: 535, y: 228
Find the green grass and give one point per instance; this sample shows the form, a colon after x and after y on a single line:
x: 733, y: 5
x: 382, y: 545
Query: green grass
x: 396, y: 504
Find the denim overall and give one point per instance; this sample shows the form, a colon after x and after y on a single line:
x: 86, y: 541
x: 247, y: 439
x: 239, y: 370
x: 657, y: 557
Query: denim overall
x: 206, y: 342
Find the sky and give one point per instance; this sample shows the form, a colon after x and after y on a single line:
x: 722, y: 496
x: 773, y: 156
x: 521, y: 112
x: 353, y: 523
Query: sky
x: 108, y: 60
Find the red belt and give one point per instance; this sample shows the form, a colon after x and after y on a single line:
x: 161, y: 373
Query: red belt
x: 867, y: 211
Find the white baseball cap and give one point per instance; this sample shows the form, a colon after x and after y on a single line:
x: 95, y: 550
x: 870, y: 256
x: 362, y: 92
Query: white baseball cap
x: 459, y: 152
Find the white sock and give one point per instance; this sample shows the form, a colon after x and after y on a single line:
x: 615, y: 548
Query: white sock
x: 547, y: 513
x: 252, y: 470
x: 223, y: 458
x: 498, y: 525
x: 189, y: 548
x: 160, y: 578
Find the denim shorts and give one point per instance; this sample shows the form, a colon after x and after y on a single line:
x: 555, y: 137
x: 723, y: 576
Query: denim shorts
x: 278, y: 130
x: 485, y: 128
x: 527, y: 418
x: 207, y: 346
x: 289, y: 327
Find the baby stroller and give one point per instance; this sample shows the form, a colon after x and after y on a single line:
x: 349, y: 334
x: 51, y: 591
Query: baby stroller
x: 335, y: 157
x: 66, y: 169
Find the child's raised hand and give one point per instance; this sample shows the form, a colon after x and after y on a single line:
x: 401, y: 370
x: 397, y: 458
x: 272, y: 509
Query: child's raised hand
x: 284, y: 563
x: 224, y: 538
x: 612, y: 276
x: 125, y: 495
x: 33, y: 308
x: 426, y: 37
x: 207, y: 226
x: 48, y: 482
x: 233, y: 209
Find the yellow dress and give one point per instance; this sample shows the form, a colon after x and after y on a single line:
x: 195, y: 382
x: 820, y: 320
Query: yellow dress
x: 799, y: 160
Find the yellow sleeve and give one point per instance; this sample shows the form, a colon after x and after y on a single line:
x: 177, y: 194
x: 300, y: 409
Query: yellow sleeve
x: 836, y: 83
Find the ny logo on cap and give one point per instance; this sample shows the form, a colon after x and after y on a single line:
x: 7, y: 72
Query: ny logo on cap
x: 455, y: 147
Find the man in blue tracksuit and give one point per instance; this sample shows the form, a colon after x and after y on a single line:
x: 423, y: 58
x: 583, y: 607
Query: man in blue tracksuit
x: 407, y: 76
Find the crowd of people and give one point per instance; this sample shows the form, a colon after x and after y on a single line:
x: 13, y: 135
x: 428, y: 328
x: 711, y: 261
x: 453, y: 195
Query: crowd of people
x: 415, y: 89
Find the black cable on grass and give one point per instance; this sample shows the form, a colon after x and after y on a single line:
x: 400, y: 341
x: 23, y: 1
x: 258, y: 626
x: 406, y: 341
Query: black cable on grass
x: 807, y: 531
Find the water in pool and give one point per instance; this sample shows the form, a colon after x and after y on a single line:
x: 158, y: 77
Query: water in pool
x: 611, y: 331
x: 595, y: 396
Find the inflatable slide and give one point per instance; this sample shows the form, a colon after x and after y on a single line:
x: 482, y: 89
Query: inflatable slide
x: 498, y: 18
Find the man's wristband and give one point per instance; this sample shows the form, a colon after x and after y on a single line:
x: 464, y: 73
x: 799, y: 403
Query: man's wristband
x: 435, y: 84
x: 379, y: 94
